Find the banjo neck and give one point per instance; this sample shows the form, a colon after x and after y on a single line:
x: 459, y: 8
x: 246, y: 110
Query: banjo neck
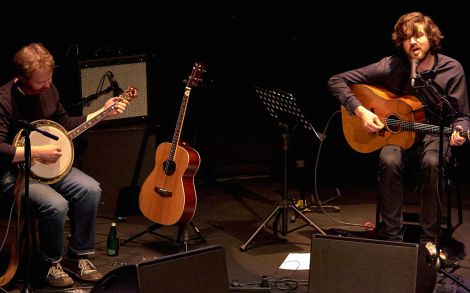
x: 92, y: 122
x: 129, y: 94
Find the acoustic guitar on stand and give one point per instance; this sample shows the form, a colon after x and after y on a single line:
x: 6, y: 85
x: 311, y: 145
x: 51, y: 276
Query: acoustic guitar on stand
x: 403, y: 117
x: 168, y: 195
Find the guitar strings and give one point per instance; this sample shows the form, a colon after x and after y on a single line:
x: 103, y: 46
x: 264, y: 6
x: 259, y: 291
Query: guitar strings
x: 413, y: 126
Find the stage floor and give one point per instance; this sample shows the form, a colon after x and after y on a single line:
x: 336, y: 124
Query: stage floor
x: 229, y: 212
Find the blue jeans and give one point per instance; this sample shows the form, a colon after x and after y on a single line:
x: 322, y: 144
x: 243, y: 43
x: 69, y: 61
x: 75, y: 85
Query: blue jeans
x: 76, y: 195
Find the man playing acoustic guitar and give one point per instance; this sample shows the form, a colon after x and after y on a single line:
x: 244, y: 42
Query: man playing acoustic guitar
x: 438, y: 81
x: 29, y: 97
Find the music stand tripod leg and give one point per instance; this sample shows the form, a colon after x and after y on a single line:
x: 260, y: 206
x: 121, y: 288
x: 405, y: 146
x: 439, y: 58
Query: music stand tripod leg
x: 243, y: 247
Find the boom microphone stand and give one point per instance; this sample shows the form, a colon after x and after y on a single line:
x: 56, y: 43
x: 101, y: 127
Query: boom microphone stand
x: 283, y: 108
x: 26, y: 130
x: 92, y: 97
x: 443, y: 106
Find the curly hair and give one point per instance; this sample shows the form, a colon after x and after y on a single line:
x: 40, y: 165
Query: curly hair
x: 31, y: 58
x: 409, y: 23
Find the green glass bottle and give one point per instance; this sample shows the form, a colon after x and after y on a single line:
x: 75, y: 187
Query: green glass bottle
x: 112, y: 246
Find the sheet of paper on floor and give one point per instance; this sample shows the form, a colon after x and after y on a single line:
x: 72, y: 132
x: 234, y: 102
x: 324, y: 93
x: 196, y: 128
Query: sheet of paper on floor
x: 296, y: 261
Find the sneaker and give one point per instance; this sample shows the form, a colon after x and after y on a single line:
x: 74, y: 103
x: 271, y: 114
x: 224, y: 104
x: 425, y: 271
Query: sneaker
x: 56, y: 276
x: 431, y: 247
x: 82, y: 269
x: 446, y: 261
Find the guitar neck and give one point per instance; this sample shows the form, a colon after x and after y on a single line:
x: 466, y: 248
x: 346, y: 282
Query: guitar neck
x: 417, y: 127
x: 422, y: 127
x: 92, y: 122
x: 193, y: 79
x: 179, y: 123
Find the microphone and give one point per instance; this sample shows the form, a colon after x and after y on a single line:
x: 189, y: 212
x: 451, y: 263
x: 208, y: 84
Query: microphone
x: 116, y: 89
x: 414, y: 66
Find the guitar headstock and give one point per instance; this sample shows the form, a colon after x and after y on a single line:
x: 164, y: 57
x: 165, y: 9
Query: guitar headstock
x: 196, y: 73
x: 130, y: 93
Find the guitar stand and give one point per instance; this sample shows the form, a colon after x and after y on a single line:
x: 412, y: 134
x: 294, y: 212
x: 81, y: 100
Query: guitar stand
x: 182, y: 235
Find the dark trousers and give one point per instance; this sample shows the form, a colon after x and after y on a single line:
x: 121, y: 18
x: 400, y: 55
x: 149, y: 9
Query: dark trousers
x: 390, y: 187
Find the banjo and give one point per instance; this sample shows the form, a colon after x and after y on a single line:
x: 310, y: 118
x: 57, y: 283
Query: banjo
x: 51, y: 173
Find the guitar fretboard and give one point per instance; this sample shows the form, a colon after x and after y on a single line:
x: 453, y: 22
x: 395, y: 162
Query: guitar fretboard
x: 416, y: 126
x: 179, y: 124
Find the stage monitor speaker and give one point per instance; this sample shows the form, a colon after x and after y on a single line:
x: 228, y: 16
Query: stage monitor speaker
x: 347, y: 265
x: 128, y: 71
x: 200, y: 270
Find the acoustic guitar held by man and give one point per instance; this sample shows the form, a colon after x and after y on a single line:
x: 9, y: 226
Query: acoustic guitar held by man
x: 438, y: 81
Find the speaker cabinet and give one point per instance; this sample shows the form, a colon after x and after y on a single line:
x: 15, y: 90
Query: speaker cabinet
x: 128, y: 71
x: 347, y: 265
x: 120, y: 158
x: 200, y: 270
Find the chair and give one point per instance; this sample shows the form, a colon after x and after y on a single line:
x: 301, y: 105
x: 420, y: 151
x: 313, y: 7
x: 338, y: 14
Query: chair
x: 453, y: 182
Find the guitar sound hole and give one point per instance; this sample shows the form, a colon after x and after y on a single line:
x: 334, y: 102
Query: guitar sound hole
x: 393, y: 123
x: 169, y: 167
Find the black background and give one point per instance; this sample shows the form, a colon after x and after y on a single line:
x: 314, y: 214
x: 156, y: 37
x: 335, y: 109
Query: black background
x: 294, y: 46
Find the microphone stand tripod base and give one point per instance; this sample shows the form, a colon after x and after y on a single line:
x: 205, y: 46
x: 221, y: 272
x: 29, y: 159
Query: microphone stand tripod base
x: 438, y: 266
x: 250, y: 289
x: 304, y: 207
x: 321, y: 207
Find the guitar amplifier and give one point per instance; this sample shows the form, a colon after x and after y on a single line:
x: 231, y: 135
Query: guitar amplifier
x: 120, y: 180
x: 127, y: 71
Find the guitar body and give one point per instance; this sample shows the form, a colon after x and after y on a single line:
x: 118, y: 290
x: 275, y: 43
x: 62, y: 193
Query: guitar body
x: 385, y: 105
x: 9, y: 231
x: 9, y: 255
x: 168, y: 195
x: 170, y: 198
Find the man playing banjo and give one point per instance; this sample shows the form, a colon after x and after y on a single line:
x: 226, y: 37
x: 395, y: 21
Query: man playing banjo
x: 32, y: 96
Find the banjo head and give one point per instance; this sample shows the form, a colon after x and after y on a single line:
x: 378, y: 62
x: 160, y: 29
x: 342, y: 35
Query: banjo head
x: 49, y: 173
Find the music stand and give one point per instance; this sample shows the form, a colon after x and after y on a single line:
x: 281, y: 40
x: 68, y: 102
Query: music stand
x: 283, y: 108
